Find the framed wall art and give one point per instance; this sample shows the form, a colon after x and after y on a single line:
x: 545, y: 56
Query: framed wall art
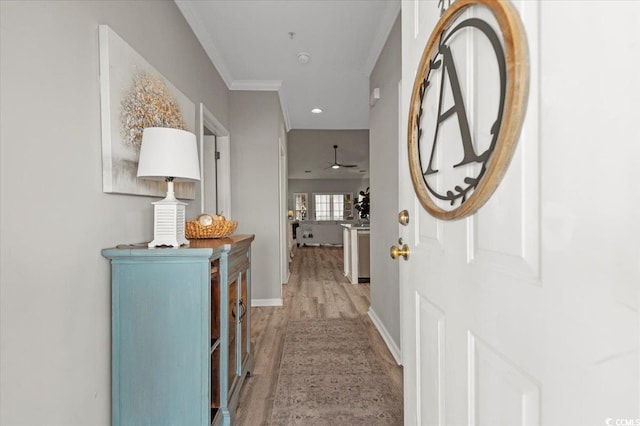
x: 134, y: 95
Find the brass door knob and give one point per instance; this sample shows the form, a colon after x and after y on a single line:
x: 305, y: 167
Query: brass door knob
x: 396, y: 252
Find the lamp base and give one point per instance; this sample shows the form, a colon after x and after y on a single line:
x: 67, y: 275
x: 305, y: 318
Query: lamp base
x: 168, y: 222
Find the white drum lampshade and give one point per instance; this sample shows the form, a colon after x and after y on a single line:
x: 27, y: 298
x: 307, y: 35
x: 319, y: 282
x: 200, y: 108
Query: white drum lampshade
x: 170, y: 155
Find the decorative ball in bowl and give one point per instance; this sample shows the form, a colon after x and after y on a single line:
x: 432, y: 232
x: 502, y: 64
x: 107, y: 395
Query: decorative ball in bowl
x: 210, y: 226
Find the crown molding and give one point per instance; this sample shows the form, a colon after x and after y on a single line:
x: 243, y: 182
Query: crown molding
x: 285, y: 110
x: 256, y: 85
x: 205, y: 39
x: 386, y: 25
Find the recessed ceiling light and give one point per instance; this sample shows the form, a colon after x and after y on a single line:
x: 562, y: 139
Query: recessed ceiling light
x: 316, y: 111
x: 335, y: 166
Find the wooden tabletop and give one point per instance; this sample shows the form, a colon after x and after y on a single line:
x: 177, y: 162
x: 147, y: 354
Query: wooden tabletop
x: 207, y: 246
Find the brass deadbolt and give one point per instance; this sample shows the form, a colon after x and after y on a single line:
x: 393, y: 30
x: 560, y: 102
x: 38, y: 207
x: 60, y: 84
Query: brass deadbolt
x: 403, y: 217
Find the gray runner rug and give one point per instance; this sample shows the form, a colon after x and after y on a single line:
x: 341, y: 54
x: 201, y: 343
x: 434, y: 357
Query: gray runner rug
x: 330, y: 376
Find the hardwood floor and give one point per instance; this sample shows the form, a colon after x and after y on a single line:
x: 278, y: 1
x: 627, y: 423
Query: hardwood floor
x: 317, y: 288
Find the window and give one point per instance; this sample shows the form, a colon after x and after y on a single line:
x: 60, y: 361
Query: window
x: 333, y: 206
x: 300, y: 206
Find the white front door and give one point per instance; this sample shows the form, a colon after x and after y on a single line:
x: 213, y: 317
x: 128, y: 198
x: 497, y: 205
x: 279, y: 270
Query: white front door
x: 527, y: 312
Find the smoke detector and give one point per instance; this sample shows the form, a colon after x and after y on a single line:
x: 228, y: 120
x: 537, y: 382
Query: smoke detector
x: 303, y: 57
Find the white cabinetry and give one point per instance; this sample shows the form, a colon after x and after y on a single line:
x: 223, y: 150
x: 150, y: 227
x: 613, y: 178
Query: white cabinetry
x: 355, y: 240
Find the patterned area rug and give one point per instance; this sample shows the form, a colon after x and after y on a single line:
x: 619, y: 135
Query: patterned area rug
x: 329, y: 376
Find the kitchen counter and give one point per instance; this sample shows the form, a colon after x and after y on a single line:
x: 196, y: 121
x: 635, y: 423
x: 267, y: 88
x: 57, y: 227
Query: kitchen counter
x: 311, y: 232
x: 356, y: 252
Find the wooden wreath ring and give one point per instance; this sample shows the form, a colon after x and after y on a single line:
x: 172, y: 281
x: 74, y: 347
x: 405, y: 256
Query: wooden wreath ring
x: 517, y: 91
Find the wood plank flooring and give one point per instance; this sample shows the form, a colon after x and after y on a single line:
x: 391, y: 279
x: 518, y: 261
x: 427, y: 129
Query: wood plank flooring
x: 317, y: 288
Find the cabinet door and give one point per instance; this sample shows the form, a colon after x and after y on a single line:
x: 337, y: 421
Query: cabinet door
x: 160, y: 347
x: 215, y: 334
x: 215, y: 378
x: 215, y: 301
x: 234, y: 313
x: 244, y: 306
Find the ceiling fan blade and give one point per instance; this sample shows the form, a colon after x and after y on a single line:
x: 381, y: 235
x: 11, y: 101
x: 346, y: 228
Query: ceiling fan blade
x: 335, y: 164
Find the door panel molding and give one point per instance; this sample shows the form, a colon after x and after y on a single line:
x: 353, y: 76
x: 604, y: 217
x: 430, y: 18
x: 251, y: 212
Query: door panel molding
x: 518, y: 253
x: 430, y: 353
x: 428, y: 229
x: 500, y: 392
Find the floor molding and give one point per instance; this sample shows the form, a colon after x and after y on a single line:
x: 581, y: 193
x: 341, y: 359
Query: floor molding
x: 266, y: 302
x: 393, y: 348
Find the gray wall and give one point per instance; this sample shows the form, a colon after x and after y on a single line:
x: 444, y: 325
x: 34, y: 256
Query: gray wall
x: 383, y: 154
x: 312, y: 151
x: 256, y: 125
x: 55, y: 294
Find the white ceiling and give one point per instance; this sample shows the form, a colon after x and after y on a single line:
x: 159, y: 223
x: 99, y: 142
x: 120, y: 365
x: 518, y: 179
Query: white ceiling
x: 250, y: 45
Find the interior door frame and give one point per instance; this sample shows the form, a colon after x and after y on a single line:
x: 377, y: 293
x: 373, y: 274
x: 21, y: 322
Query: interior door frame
x: 207, y: 120
x: 282, y: 210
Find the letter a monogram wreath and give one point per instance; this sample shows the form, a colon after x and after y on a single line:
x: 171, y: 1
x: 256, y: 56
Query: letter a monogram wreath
x: 438, y: 113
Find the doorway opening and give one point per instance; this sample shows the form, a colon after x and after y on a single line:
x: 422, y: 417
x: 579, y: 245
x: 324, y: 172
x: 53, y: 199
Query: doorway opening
x: 215, y: 165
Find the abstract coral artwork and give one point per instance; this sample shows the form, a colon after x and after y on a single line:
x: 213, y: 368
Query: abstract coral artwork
x: 134, y: 95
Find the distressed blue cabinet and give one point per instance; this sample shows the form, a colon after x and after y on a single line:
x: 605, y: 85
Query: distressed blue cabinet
x: 181, y: 345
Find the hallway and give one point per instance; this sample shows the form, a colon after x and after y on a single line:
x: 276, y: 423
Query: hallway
x: 317, y: 289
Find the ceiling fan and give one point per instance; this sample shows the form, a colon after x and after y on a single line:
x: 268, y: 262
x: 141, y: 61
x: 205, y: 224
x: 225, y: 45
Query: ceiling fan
x: 337, y: 165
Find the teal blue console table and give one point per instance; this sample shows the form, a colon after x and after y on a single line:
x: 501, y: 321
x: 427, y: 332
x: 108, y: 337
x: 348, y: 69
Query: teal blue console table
x: 181, y: 346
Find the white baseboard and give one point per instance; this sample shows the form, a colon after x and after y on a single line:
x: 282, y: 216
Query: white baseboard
x: 393, y: 348
x: 266, y: 302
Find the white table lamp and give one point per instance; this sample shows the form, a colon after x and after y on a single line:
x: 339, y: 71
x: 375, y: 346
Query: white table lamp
x: 170, y: 155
